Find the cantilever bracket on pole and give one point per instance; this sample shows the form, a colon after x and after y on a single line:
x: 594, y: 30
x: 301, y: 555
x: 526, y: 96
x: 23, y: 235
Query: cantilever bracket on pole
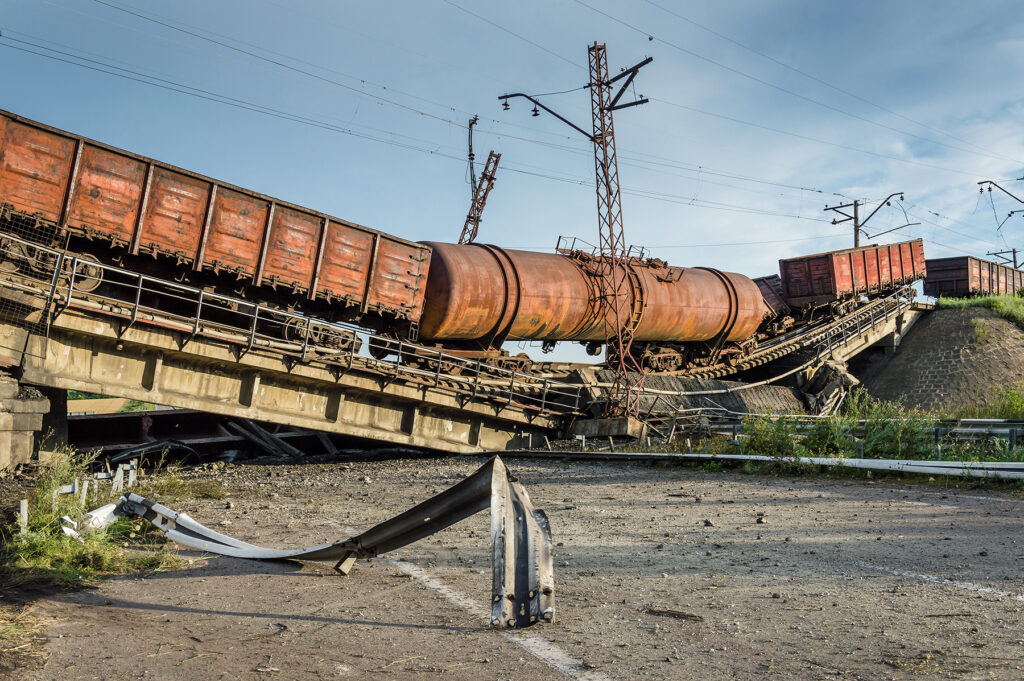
x: 991, y: 184
x: 839, y: 209
x: 629, y: 74
x: 550, y: 111
x: 883, y: 203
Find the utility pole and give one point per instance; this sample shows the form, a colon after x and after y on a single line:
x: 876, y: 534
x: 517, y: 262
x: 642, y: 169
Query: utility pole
x: 479, y: 190
x: 1012, y: 251
x: 857, y: 224
x: 613, y: 267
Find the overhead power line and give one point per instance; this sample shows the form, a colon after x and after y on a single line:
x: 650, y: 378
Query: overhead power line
x: 209, y: 95
x: 514, y: 34
x: 818, y: 80
x: 779, y: 88
x: 276, y: 62
x: 818, y: 141
x: 165, y: 21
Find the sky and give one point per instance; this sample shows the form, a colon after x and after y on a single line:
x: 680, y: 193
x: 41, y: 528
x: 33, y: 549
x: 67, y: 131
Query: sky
x: 760, y: 114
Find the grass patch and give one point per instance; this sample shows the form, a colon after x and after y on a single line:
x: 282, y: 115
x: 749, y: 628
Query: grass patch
x: 21, y: 640
x: 45, y: 555
x: 866, y: 428
x: 1008, y: 404
x: 1009, y: 307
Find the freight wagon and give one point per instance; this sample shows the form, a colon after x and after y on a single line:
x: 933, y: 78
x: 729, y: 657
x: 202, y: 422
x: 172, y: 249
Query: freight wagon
x: 838, y: 278
x: 95, y: 201
x: 968, y: 276
x: 64, y: 190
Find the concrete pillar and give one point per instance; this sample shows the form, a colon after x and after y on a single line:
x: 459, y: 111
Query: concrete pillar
x: 21, y: 416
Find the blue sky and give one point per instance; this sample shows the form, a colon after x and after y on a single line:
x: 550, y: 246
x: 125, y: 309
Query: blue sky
x: 760, y: 113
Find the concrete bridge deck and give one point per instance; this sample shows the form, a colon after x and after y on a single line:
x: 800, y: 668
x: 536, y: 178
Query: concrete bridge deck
x: 150, y: 340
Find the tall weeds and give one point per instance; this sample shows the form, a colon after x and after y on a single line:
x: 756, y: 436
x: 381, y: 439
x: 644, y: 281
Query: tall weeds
x: 44, y: 554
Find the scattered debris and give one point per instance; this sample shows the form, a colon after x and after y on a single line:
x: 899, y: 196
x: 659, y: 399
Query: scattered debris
x: 264, y: 439
x: 678, y: 614
x: 70, y: 528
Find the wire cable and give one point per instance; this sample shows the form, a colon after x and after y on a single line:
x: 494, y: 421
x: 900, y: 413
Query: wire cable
x: 821, y: 81
x: 783, y: 89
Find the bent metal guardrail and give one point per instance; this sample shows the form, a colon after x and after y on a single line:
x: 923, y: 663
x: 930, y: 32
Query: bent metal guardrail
x: 53, y: 281
x: 522, y: 588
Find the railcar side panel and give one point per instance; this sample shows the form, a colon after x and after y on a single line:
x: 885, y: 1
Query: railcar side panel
x: 771, y: 292
x: 175, y: 211
x: 107, y: 194
x: 34, y: 169
x: 291, y: 253
x: 398, y: 277
x: 872, y: 274
x: 236, y: 232
x: 346, y: 262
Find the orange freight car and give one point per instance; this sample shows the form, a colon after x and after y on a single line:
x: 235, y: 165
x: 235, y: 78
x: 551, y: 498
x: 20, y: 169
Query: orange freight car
x: 968, y: 276
x: 825, y: 278
x: 77, y: 190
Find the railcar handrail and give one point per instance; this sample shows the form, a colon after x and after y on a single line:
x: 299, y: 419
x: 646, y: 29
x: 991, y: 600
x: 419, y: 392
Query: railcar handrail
x: 56, y: 279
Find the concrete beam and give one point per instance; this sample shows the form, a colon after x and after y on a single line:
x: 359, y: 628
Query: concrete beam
x: 888, y: 335
x: 94, y: 354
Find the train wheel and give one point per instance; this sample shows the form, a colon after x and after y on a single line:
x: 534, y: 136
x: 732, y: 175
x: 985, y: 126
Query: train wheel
x: 12, y: 256
x: 299, y: 330
x: 87, y: 276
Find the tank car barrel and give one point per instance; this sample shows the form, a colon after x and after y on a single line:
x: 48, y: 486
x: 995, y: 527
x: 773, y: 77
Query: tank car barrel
x: 477, y: 292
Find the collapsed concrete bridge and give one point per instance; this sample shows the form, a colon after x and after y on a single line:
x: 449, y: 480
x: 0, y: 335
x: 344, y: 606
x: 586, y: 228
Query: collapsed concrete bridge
x: 162, y: 342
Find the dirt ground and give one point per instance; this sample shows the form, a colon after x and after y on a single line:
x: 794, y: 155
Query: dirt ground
x: 839, y: 579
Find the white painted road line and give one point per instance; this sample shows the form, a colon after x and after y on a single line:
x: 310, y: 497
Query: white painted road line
x: 541, y: 648
x: 967, y: 586
x: 925, y: 503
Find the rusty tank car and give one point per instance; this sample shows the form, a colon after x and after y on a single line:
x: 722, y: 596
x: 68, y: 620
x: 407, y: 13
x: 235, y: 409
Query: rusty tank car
x: 479, y: 296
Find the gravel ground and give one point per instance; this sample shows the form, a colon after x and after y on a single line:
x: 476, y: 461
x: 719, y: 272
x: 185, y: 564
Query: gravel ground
x: 661, y: 573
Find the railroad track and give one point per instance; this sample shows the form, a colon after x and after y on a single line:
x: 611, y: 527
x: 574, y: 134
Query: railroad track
x: 822, y: 337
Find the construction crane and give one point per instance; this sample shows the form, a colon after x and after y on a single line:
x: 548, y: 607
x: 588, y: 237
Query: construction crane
x: 479, y: 190
x: 621, y: 313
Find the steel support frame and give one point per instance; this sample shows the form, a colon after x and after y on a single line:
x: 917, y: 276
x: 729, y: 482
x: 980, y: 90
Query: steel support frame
x: 613, y: 277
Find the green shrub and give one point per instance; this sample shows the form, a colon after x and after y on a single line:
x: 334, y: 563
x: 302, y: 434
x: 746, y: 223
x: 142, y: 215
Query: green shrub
x: 768, y: 436
x: 831, y: 436
x: 891, y: 430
